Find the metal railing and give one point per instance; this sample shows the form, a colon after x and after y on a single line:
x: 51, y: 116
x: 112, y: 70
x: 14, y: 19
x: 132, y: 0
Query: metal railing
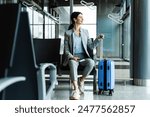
x: 31, y: 3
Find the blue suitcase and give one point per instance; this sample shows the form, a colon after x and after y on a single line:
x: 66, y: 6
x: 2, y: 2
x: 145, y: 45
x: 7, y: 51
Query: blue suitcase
x: 106, y: 76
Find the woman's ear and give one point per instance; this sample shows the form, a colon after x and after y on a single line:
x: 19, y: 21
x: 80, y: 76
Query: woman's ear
x: 74, y: 19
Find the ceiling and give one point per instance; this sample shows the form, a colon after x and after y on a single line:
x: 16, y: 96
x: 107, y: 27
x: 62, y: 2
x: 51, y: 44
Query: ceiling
x: 56, y: 3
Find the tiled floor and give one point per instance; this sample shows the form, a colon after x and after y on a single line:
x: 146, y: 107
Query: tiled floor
x: 121, y: 92
x: 124, y: 90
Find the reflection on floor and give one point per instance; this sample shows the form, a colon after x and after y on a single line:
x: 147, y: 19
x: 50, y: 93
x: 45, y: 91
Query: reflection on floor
x: 124, y: 90
x: 121, y: 92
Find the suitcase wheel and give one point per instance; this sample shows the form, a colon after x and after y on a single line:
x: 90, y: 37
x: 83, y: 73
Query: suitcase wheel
x: 110, y: 92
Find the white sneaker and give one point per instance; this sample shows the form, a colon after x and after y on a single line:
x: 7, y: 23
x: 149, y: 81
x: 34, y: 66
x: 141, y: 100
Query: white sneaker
x: 81, y: 86
x: 75, y: 95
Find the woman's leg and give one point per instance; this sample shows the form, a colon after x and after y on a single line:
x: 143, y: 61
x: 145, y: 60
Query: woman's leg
x: 88, y: 64
x: 73, y: 65
x: 88, y: 67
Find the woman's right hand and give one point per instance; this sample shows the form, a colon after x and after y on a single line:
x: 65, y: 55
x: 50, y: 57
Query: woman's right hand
x: 75, y: 58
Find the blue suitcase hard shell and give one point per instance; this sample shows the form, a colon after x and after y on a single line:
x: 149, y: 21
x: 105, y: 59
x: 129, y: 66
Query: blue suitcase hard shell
x: 106, y: 76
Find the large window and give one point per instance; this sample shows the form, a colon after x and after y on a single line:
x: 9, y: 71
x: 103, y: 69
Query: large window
x: 42, y: 26
x: 49, y: 28
x: 37, y: 25
x: 88, y: 15
x: 89, y: 19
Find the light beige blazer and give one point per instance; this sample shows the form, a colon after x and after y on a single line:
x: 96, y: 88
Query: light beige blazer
x: 86, y: 41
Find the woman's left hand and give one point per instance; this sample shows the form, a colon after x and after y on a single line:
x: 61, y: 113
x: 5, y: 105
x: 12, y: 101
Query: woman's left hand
x: 100, y: 36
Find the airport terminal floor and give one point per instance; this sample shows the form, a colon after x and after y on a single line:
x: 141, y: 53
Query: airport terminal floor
x: 121, y: 92
x: 124, y: 89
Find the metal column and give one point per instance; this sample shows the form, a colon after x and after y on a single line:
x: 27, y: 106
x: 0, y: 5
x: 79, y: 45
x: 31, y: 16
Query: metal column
x: 71, y: 6
x: 140, y: 43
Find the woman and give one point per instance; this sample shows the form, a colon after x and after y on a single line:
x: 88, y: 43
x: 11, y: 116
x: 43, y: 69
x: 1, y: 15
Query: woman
x: 76, y: 43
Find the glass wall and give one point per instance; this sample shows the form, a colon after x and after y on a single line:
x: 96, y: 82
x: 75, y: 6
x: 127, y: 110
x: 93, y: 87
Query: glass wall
x: 49, y: 28
x: 89, y: 16
x: 88, y: 23
x: 37, y: 25
x: 42, y: 26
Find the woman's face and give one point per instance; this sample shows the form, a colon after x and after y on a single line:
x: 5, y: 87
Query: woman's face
x: 79, y: 19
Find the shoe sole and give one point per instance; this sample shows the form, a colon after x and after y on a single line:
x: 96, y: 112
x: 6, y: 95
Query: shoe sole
x: 73, y: 98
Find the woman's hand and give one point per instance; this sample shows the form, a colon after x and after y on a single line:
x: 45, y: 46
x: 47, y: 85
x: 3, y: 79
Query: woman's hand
x: 100, y: 36
x: 75, y: 58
